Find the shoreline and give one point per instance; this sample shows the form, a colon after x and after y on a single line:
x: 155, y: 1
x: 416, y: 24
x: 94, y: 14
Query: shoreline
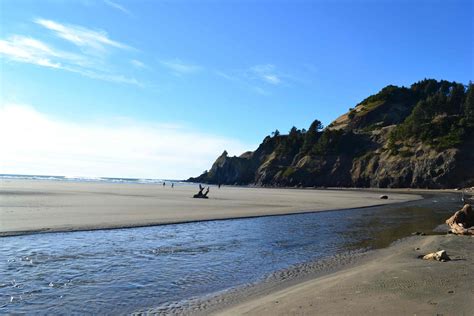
x: 309, y: 271
x: 390, y: 280
x: 238, y: 300
x: 218, y: 302
x: 47, y: 231
x: 31, y: 207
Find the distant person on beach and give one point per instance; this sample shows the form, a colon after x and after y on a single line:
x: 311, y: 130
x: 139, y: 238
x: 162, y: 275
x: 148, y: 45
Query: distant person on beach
x: 164, y: 184
x: 172, y: 184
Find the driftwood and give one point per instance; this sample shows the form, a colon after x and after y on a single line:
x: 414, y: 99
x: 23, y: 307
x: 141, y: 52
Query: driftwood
x: 200, y: 194
x: 439, y: 256
x: 462, y: 222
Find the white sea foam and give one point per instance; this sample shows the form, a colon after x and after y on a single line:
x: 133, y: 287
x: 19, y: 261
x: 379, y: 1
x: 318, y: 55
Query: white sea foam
x: 84, y: 179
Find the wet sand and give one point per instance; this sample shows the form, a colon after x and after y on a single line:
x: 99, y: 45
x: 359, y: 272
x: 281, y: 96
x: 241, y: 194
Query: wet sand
x: 391, y: 281
x: 45, y: 206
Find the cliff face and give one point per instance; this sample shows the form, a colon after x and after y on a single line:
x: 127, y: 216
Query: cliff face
x: 383, y: 142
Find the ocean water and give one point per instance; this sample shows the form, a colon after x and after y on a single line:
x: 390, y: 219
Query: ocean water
x: 127, y: 270
x: 88, y: 179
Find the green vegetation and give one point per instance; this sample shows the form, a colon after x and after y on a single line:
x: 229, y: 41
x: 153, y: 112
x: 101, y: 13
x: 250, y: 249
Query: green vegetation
x: 311, y: 136
x: 468, y: 121
x: 442, y: 118
x: 288, y: 172
x: 328, y: 143
x: 335, y: 142
x: 369, y: 106
x: 288, y: 146
x: 351, y: 114
x: 437, y: 113
x: 388, y: 94
x: 353, y: 152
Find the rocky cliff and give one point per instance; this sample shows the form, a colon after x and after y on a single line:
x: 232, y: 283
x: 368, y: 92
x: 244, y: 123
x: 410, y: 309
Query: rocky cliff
x: 419, y: 137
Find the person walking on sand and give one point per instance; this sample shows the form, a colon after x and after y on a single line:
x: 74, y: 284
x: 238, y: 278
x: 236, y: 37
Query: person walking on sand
x: 164, y: 184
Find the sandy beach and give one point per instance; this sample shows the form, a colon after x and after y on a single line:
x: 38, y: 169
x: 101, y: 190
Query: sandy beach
x: 44, y: 206
x: 391, y: 281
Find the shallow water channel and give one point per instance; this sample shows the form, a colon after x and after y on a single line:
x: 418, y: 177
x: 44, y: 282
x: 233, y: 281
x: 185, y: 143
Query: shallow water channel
x: 125, y: 270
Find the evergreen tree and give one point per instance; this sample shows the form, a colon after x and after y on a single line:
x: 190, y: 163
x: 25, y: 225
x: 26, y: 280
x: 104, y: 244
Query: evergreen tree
x: 293, y: 132
x: 456, y: 99
x: 441, y: 115
x: 469, y: 106
x: 311, y: 136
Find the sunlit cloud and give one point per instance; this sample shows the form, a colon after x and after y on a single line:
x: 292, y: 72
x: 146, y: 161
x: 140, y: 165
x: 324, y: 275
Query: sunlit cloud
x: 118, y: 7
x: 179, y: 67
x: 29, y: 50
x: 115, y: 78
x: 226, y: 75
x: 89, y: 62
x: 92, y: 41
x: 138, y: 64
x: 266, y: 73
x: 35, y: 143
x: 32, y: 51
x: 253, y: 78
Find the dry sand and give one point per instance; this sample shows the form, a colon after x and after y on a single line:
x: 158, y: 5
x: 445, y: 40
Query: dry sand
x: 394, y: 281
x: 39, y: 206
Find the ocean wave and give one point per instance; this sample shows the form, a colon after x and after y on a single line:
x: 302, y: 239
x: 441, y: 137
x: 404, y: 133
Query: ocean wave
x: 86, y: 179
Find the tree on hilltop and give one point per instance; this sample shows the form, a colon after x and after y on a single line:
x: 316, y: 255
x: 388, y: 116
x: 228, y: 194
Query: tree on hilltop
x: 312, y: 135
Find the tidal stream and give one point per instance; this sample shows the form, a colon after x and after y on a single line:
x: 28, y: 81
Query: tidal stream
x: 125, y: 270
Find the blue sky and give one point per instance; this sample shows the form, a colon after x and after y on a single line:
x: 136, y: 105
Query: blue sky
x: 221, y: 73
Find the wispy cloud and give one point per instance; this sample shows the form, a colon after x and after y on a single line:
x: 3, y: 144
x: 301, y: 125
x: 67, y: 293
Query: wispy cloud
x: 226, y: 75
x: 267, y: 73
x: 115, y: 147
x: 179, y: 67
x: 138, y: 64
x: 33, y: 51
x: 89, y: 61
x: 92, y: 41
x: 257, y: 78
x: 28, y: 50
x: 115, y: 78
x: 118, y: 7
